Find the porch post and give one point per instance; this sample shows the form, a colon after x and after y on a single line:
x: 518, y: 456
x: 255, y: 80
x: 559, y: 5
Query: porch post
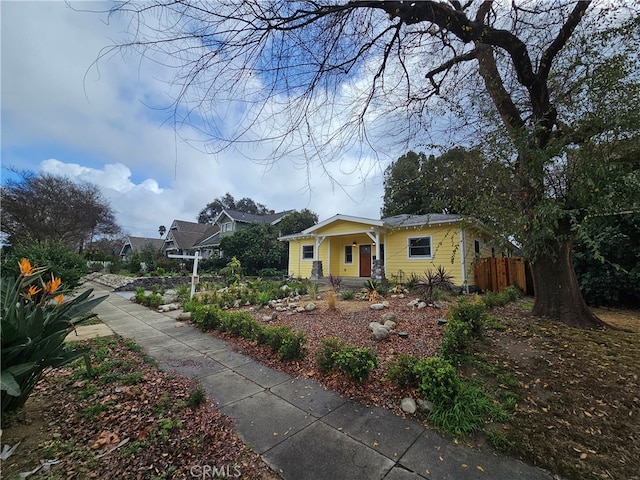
x: 316, y: 268
x: 377, y: 268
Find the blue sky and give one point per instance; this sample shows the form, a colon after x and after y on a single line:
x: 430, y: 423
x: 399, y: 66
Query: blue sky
x: 61, y: 115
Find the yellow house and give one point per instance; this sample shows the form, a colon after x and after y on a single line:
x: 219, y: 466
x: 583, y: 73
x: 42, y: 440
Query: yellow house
x: 392, y: 248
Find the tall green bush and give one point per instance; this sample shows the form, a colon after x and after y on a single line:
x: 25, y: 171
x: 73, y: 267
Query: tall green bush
x: 466, y: 321
x: 35, y: 321
x: 438, y: 380
x: 56, y: 256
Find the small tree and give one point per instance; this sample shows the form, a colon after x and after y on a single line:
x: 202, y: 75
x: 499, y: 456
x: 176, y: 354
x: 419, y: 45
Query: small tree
x: 257, y: 247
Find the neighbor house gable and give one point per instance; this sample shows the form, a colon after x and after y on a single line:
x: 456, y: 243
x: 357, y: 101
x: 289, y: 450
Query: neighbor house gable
x: 138, y: 244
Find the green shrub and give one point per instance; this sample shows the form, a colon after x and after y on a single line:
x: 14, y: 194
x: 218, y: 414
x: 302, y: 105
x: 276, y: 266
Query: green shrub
x: 402, y: 370
x: 465, y: 413
x: 293, y: 346
x: 508, y: 295
x: 241, y: 324
x: 56, y: 257
x: 326, y: 355
x: 357, y: 363
x: 282, y: 339
x: 372, y: 285
x: 512, y: 293
x: 263, y: 298
x: 207, y: 317
x: 35, y: 320
x: 273, y: 336
x: 347, y: 295
x: 438, y: 380
x: 466, y: 321
x: 196, y: 398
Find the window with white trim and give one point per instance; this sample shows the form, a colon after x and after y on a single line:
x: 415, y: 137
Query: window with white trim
x: 348, y: 254
x: 307, y: 252
x: 419, y: 247
x: 226, y: 227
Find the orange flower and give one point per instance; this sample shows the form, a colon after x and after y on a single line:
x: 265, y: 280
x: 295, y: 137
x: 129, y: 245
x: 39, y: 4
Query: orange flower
x: 33, y: 290
x: 59, y: 298
x: 53, y: 285
x: 25, y: 267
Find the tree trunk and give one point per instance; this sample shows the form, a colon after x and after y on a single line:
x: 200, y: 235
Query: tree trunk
x: 557, y: 294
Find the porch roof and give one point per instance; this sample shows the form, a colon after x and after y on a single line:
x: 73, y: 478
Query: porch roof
x: 394, y: 222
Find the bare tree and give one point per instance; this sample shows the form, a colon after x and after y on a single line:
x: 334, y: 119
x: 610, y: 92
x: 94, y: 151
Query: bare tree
x: 50, y: 208
x: 321, y: 79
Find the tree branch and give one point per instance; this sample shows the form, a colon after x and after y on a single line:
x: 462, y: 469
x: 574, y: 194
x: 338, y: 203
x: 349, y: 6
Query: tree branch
x: 563, y: 35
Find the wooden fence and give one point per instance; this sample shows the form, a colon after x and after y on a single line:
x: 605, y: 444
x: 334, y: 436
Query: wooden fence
x: 496, y: 274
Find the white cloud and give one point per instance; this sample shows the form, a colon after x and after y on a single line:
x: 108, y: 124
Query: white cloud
x: 100, y: 128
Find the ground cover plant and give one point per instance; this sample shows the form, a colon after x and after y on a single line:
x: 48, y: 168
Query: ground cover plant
x: 129, y: 420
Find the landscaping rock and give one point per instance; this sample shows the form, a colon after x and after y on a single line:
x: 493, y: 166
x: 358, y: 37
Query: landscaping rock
x: 380, y: 332
x: 390, y: 324
x: 421, y: 305
x: 169, y: 307
x: 424, y: 405
x: 442, y: 321
x: 385, y: 304
x: 377, y: 306
x: 184, y: 317
x: 310, y: 307
x: 372, y: 325
x: 413, y: 303
x: 388, y: 316
x: 408, y: 405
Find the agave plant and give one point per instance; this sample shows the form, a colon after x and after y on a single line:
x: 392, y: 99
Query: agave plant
x: 36, y: 318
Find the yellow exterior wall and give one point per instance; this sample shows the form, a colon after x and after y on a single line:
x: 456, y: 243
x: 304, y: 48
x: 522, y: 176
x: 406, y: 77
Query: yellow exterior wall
x: 445, y: 251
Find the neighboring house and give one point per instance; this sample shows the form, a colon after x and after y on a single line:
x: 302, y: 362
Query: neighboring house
x: 230, y: 221
x: 138, y: 244
x: 393, y: 248
x: 182, y: 238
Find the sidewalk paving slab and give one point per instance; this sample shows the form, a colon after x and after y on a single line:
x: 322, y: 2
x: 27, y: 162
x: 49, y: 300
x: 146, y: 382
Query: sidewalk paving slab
x: 399, y: 473
x: 376, y: 427
x: 227, y: 387
x: 309, y: 396
x: 191, y: 366
x: 261, y: 374
x: 262, y: 431
x: 321, y: 452
x: 229, y: 358
x: 437, y: 458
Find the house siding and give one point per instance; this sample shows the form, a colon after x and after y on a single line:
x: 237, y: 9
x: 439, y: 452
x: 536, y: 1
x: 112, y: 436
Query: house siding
x: 445, y: 251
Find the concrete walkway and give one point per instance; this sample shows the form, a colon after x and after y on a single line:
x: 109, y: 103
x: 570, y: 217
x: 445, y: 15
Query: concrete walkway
x: 295, y: 424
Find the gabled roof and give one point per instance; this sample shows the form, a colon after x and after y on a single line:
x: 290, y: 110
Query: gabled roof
x: 210, y: 241
x: 185, y: 235
x: 242, y: 217
x: 397, y: 221
x: 139, y: 243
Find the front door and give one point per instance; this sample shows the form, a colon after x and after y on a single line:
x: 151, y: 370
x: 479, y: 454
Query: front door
x: 365, y: 260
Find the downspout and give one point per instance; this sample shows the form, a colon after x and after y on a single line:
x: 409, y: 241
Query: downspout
x: 463, y: 247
